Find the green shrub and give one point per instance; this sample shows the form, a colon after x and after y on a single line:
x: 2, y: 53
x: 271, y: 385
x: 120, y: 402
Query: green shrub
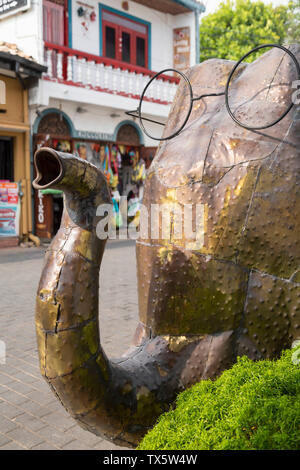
x: 253, y: 405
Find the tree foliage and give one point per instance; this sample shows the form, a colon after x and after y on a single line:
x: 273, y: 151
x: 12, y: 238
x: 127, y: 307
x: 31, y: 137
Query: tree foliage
x: 293, y: 22
x: 240, y: 25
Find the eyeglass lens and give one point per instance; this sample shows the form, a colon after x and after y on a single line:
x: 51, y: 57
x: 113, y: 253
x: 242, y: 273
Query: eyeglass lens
x: 261, y: 93
x: 162, y: 90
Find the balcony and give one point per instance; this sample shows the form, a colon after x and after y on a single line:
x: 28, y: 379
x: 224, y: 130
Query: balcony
x: 72, y: 67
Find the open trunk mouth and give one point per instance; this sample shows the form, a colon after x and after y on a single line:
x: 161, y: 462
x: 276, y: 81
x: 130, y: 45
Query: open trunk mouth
x: 48, y: 168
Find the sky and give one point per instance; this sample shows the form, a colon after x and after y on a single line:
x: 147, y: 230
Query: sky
x: 212, y: 5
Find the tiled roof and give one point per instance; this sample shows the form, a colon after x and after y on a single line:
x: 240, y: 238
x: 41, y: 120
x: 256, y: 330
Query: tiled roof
x: 13, y: 49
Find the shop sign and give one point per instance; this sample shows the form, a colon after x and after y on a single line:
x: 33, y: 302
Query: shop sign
x: 94, y: 136
x: 181, y: 48
x: 43, y: 214
x: 12, y: 7
x: 9, y: 209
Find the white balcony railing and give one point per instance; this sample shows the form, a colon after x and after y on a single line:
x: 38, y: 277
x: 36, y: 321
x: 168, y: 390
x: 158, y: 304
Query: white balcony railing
x: 78, y: 68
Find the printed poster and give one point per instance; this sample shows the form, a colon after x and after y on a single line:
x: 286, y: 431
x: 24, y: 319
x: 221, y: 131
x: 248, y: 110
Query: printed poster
x: 9, y: 209
x: 181, y: 48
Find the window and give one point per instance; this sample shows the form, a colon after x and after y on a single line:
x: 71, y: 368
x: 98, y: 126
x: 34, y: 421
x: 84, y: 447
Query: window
x: 53, y: 22
x: 2, y: 92
x: 140, y: 52
x: 124, y: 39
x: 110, y: 41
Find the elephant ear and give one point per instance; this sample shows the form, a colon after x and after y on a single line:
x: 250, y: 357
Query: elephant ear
x: 246, y: 186
x: 211, y: 142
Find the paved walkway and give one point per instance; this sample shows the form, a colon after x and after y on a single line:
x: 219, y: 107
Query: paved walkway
x: 30, y: 415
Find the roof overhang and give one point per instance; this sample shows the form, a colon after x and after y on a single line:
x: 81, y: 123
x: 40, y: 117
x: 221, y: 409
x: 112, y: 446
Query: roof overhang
x: 18, y: 67
x: 173, y: 7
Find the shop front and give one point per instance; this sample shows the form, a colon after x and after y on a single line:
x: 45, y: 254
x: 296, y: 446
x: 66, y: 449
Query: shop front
x: 53, y: 130
x: 121, y: 156
x: 17, y: 73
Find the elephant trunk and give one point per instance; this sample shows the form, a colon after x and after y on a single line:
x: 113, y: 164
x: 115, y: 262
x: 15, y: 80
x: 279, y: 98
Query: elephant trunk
x: 118, y: 399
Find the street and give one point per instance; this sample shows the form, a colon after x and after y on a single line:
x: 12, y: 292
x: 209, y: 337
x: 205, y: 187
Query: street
x: 30, y: 415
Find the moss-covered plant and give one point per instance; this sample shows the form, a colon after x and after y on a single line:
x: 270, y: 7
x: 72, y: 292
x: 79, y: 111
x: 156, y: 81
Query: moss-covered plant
x: 253, y: 405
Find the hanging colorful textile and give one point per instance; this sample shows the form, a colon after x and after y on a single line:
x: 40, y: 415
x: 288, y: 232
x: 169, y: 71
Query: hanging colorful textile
x: 139, y: 172
x: 114, y: 167
x: 117, y: 216
x: 107, y: 166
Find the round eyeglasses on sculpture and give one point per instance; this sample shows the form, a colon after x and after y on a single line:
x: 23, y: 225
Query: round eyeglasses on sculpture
x: 239, y: 97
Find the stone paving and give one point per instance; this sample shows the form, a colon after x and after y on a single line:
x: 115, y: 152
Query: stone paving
x: 30, y: 415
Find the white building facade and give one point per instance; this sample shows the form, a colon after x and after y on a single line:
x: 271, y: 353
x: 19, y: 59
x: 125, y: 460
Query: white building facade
x: 99, y: 57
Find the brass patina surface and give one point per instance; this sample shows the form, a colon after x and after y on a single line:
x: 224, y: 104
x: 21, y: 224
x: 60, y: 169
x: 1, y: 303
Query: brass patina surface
x: 200, y: 306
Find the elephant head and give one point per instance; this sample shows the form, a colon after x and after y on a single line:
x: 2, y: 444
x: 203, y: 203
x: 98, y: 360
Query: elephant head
x: 202, y: 304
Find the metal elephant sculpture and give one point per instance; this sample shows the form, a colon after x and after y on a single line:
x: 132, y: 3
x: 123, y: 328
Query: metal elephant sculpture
x: 238, y: 293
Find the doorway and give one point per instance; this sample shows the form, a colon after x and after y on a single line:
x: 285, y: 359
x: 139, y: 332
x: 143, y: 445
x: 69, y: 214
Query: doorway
x: 58, y: 207
x: 6, y: 159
